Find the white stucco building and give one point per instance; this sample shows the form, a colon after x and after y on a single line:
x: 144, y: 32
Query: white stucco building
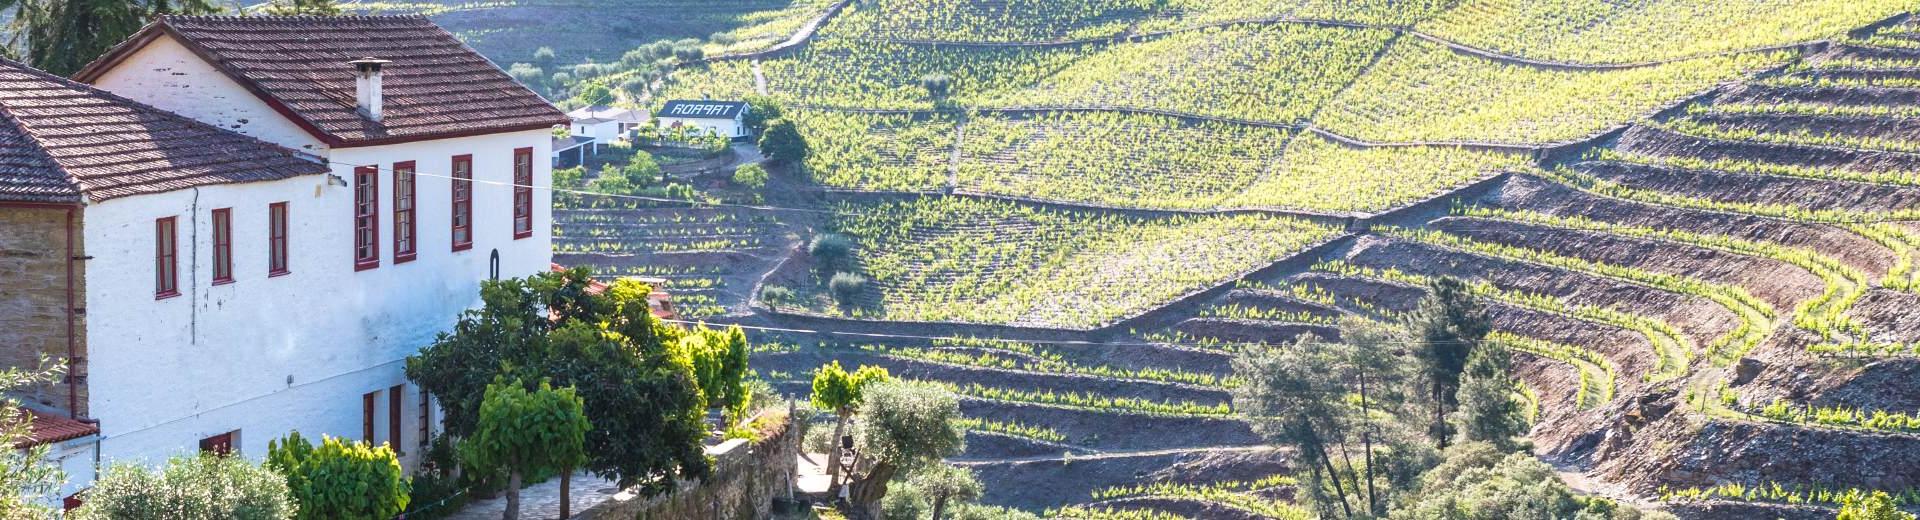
x: 267, y: 230
x: 705, y: 117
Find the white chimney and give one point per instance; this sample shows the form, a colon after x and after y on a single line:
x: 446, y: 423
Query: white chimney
x: 366, y: 86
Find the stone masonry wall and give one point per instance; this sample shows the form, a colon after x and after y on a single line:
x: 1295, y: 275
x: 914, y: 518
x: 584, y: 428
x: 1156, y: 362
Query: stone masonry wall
x: 33, y: 295
x: 747, y: 476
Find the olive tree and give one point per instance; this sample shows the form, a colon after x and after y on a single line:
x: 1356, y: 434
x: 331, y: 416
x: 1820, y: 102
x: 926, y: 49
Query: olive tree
x: 903, y: 427
x: 24, y: 473
x: 195, y: 487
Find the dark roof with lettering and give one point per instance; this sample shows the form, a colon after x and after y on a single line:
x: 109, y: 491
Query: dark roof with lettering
x: 435, y: 86
x: 62, y: 141
x: 703, y: 109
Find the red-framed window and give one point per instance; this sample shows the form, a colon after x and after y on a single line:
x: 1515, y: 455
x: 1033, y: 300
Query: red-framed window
x: 221, y: 444
x: 462, y: 202
x: 403, y: 222
x: 223, y: 246
x: 395, y: 408
x: 522, y: 193
x: 166, y: 258
x: 426, y: 419
x: 367, y: 403
x: 366, y: 218
x: 277, y: 239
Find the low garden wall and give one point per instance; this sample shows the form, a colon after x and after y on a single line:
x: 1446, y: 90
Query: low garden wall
x: 747, y: 477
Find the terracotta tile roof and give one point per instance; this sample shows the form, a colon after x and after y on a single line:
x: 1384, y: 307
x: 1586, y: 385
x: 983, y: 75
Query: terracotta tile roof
x: 61, y: 141
x: 435, y: 86
x: 50, y: 428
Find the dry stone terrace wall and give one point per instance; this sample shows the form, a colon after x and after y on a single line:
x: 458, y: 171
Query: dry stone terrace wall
x: 747, y: 476
x: 34, y: 295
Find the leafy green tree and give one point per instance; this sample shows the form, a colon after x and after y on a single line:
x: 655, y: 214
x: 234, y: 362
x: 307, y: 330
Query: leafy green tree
x: 544, y: 57
x: 838, y: 391
x: 751, y: 176
x: 595, y: 93
x: 526, y: 432
x: 783, y: 144
x: 760, y: 110
x: 609, y: 346
x: 942, y: 483
x: 302, y: 8
x: 1488, y: 411
x: 568, y: 178
x: 903, y: 428
x: 1450, y: 322
x: 340, y: 478
x: 937, y: 85
x: 24, y: 473
x: 60, y: 36
x: 197, y: 487
x: 1877, y: 506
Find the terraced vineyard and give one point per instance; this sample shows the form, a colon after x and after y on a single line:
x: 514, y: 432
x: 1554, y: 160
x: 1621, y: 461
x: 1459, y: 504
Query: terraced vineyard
x: 1694, y: 225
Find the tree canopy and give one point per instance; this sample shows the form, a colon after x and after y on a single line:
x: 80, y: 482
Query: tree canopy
x: 60, y: 36
x: 524, y: 432
x: 644, y: 400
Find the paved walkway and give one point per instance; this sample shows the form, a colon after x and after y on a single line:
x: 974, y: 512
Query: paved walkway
x: 542, y: 501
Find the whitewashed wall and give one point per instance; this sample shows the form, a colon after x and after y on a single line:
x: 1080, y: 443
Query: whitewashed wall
x: 730, y: 128
x: 166, y: 74
x: 268, y: 355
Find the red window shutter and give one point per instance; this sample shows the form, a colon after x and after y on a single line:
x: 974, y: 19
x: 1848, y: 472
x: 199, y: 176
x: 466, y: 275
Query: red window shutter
x: 403, y: 204
x: 394, y: 409
x: 366, y: 407
x: 277, y: 239
x: 223, y: 246
x: 366, y: 218
x: 462, y: 202
x: 166, y: 262
x: 522, y: 193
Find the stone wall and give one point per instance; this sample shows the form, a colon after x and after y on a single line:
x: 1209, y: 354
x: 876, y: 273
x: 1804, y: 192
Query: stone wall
x: 33, y: 296
x: 747, y: 476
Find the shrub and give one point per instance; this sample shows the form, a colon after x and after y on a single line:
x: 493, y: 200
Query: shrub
x: 775, y: 296
x: 752, y: 176
x: 830, y: 250
x: 937, y: 85
x: 340, y: 478
x: 846, y: 286
x: 782, y: 142
x: 202, y: 487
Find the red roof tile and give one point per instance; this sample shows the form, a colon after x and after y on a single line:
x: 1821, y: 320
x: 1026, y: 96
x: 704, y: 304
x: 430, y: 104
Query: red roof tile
x: 61, y: 141
x: 51, y: 428
x: 434, y: 87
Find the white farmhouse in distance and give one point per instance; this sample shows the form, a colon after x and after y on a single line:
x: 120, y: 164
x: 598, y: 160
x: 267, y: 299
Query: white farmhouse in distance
x: 244, y: 226
x: 708, y: 117
x: 592, y: 127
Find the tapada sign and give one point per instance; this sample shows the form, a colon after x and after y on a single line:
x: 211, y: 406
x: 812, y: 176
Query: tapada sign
x: 697, y: 109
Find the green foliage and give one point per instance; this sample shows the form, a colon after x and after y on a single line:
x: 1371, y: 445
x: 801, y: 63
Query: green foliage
x: 1451, y: 323
x: 569, y: 178
x: 1488, y: 411
x: 341, y: 478
x: 831, y: 251
x: 644, y: 400
x: 782, y: 142
x: 1878, y: 506
x: 594, y: 93
x: 846, y: 288
x: 1481, y: 481
x: 1604, y: 32
x: 527, y: 432
x: 719, y: 361
x: 775, y: 296
x: 25, y: 473
x: 61, y: 36
x: 751, y: 176
x: 198, y: 487
x: 908, y: 425
x: 760, y: 111
x: 301, y: 8
x: 836, y: 390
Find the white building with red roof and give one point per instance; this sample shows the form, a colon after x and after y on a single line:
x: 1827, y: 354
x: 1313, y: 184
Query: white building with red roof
x: 243, y: 226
